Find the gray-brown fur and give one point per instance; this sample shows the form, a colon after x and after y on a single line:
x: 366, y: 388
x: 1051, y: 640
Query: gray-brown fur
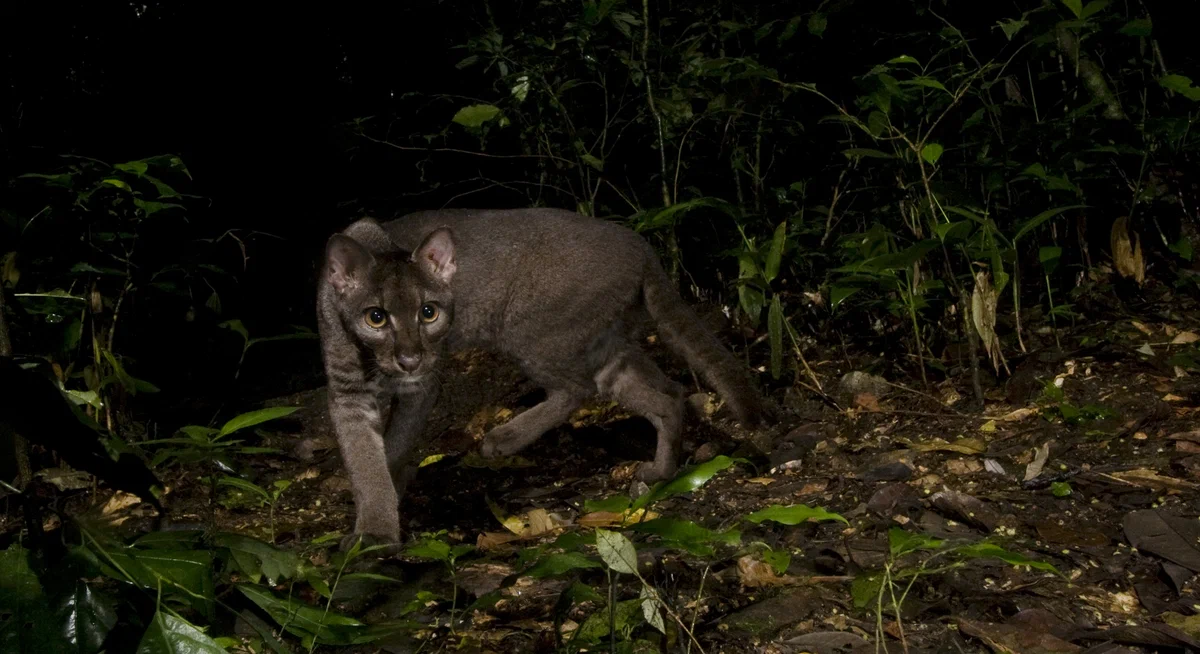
x: 559, y: 293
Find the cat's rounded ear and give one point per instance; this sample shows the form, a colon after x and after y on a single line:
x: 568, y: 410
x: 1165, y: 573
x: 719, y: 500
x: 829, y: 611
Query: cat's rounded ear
x: 346, y: 262
x: 436, y: 255
x: 370, y: 235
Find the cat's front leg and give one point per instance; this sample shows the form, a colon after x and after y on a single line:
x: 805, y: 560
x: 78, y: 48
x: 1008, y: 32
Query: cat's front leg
x: 410, y: 409
x: 358, y: 422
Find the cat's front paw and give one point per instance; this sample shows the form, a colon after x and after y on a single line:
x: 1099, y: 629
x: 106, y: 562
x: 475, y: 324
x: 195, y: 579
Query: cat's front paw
x: 501, y: 442
x: 650, y: 472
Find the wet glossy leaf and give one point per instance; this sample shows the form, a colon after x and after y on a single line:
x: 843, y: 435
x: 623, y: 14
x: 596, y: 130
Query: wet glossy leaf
x: 794, y: 515
x: 616, y: 551
x: 256, y: 417
x: 189, y: 571
x: 686, y: 482
x: 84, y: 617
x: 839, y: 294
x: 168, y: 634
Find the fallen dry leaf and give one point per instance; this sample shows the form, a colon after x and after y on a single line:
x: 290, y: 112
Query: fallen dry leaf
x: 754, y: 573
x: 1041, y: 455
x: 962, y: 446
x: 867, y: 401
x: 1127, y: 250
x: 1183, y: 338
x: 1151, y: 479
x: 1018, y: 415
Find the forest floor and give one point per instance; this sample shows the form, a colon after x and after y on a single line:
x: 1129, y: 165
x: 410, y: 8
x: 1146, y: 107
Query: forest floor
x: 1086, y: 458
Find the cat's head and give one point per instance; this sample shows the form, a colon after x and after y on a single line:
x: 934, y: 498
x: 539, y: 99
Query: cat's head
x: 397, y: 305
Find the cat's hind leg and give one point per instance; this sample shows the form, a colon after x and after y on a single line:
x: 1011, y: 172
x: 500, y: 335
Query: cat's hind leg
x: 635, y: 382
x: 523, y: 430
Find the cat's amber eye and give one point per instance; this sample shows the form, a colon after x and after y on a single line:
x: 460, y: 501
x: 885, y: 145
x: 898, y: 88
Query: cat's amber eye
x: 429, y: 312
x: 375, y: 317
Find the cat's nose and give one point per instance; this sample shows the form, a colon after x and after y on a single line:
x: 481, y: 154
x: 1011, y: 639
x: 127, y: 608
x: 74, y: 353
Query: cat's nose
x: 408, y: 362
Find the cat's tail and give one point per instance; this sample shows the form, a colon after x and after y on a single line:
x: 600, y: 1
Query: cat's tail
x: 682, y: 330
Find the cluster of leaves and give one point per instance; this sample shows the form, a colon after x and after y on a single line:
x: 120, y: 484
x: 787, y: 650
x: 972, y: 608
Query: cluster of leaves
x: 955, y: 167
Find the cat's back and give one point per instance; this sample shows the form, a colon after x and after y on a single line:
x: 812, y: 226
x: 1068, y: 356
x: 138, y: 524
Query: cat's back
x: 549, y: 231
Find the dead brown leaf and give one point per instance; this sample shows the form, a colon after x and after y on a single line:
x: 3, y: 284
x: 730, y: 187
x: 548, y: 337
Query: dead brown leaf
x: 754, y: 573
x: 1150, y: 479
x: 1127, y: 250
x: 867, y: 401
x: 962, y: 446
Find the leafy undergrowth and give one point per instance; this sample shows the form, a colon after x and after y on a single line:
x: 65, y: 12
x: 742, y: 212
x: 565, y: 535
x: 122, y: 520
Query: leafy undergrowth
x: 1059, y: 518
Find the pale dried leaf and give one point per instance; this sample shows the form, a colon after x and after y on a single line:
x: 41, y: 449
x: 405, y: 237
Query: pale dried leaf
x: 1183, y: 338
x: 1151, y: 479
x: 1039, y: 461
x: 1127, y: 250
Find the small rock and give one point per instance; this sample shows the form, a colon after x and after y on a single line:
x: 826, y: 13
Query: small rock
x: 770, y: 615
x: 858, y: 383
x: 895, y: 471
x: 706, y: 452
x: 893, y: 498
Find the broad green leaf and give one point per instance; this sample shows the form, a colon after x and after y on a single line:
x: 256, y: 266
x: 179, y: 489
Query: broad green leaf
x: 626, y: 616
x: 614, y: 504
x: 751, y: 300
x: 86, y: 615
x: 686, y: 482
x: 1181, y: 85
x: 112, y: 181
x: 1138, y: 27
x: 258, y: 559
x: 794, y: 515
x: 817, y: 24
x: 838, y: 294
x: 866, y: 588
x: 688, y: 535
x: 476, y: 114
x: 1092, y: 8
x: 1042, y: 217
x: 955, y: 231
x: 560, y: 563
x: 877, y: 123
x: 616, y: 551
x: 1049, y: 253
x: 858, y: 153
x: 168, y: 634
x: 927, y: 82
x: 248, y: 486
x: 430, y: 548
x: 931, y: 152
x: 904, y: 59
x: 775, y: 334
x: 993, y: 551
x: 189, y: 571
x: 1011, y: 27
x: 593, y: 161
x: 325, y: 627
x: 779, y: 560
x: 775, y: 254
x: 902, y: 542
x: 256, y: 417
x: 1076, y: 7
x: 138, y: 168
x: 28, y: 624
